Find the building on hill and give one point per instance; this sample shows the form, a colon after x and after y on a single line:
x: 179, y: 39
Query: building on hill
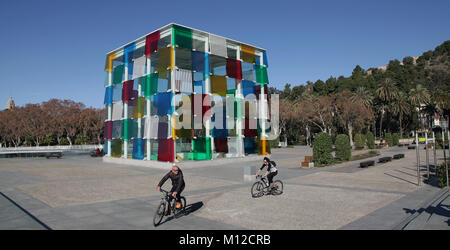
x: 385, y: 67
x: 10, y: 104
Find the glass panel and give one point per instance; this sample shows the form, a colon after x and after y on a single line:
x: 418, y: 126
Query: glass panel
x: 108, y: 95
x: 109, y: 62
x: 202, y: 148
x: 118, y: 74
x: 151, y: 43
x: 250, y: 145
x: 166, y: 150
x: 183, y: 58
x: 151, y: 127
x: 198, y: 61
x: 219, y: 85
x: 261, y: 75
x: 218, y: 45
x: 234, y: 69
x: 117, y: 129
x: 221, y: 145
x: 218, y: 65
x: 163, y: 103
x: 117, y: 111
x: 108, y: 130
x: 182, y: 37
x: 138, y: 148
x: 116, y: 148
x: 183, y: 81
x: 248, y: 71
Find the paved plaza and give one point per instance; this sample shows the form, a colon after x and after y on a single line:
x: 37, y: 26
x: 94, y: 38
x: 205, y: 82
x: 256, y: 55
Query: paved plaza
x: 80, y: 192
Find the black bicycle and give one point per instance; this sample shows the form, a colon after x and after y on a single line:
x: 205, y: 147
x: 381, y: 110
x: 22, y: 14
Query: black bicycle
x: 167, y: 206
x: 261, y: 187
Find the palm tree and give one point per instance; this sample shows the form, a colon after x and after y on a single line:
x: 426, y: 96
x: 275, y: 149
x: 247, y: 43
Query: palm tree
x: 419, y: 96
x: 363, y: 95
x: 401, y: 107
x: 386, y: 93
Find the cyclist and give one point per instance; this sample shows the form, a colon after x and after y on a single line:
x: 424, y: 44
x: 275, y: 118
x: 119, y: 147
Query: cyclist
x: 270, y: 172
x: 176, y: 176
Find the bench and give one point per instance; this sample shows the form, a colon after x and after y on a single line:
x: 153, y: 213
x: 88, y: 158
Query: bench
x: 385, y: 159
x: 365, y: 164
x: 53, y: 154
x: 398, y: 156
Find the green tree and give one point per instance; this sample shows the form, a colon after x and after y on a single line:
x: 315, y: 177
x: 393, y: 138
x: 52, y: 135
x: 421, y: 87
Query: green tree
x: 322, y: 147
x: 360, y: 140
x: 418, y: 97
x: 401, y: 107
x: 343, y: 148
x: 370, y: 140
x: 386, y: 93
x: 388, y: 139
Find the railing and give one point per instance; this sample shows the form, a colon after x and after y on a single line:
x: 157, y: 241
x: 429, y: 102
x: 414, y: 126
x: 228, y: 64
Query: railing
x: 59, y: 147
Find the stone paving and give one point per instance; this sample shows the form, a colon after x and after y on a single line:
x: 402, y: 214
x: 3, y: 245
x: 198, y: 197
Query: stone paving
x: 80, y: 192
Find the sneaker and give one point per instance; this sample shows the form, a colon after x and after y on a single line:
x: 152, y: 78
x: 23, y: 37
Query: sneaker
x: 166, y: 212
x: 178, y: 206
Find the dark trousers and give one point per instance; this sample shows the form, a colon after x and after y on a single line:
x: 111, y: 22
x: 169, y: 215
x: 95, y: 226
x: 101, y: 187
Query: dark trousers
x: 270, y: 176
x: 177, y: 197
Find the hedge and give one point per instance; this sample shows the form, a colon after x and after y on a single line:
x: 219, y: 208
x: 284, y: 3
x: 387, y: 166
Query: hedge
x: 359, y: 140
x: 343, y: 148
x: 322, y: 148
x: 370, y: 140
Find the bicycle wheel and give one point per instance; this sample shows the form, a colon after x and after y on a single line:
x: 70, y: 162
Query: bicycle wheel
x: 159, y: 214
x: 277, y: 187
x: 257, y: 189
x: 180, y: 211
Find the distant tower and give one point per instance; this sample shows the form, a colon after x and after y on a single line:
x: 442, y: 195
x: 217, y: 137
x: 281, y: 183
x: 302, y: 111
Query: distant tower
x: 10, y: 104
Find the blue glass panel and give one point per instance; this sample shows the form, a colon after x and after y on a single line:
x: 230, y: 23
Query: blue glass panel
x: 108, y: 95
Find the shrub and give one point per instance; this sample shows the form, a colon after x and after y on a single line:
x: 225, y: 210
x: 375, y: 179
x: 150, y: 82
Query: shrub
x: 359, y: 140
x: 370, y: 140
x: 322, y: 147
x: 442, y: 180
x: 64, y: 141
x: 395, y: 139
x: 388, y: 139
x: 343, y: 148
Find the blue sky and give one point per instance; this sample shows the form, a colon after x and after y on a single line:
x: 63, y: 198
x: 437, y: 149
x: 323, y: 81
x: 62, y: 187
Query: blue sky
x: 57, y: 49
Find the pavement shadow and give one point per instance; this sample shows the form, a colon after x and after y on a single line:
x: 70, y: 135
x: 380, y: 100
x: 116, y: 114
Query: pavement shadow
x: 189, y: 209
x: 439, y: 210
x: 193, y: 207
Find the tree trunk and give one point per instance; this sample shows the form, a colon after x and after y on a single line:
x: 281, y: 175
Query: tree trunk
x: 307, y: 135
x: 381, y: 124
x: 350, y: 133
x: 401, y: 128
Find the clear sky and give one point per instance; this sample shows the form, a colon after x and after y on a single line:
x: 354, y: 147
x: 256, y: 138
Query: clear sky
x: 56, y: 49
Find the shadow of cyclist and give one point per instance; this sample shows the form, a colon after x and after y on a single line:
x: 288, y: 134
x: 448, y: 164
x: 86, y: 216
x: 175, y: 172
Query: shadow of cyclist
x: 189, y: 209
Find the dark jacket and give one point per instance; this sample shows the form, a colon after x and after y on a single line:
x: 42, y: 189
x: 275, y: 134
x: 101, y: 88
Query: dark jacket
x: 177, y: 180
x: 271, y: 167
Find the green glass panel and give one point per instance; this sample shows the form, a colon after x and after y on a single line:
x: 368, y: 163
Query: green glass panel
x: 129, y: 129
x: 201, y: 148
x: 151, y: 84
x: 261, y: 75
x: 182, y: 37
x: 118, y: 74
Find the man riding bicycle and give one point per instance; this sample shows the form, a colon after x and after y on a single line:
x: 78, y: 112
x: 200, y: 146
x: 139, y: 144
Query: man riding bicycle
x: 270, y: 172
x: 176, y: 176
